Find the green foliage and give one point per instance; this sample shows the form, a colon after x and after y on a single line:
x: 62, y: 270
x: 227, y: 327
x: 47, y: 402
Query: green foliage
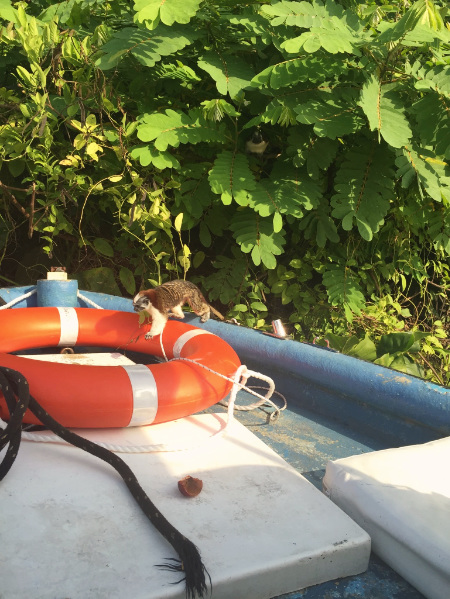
x: 364, y: 185
x: 123, y: 135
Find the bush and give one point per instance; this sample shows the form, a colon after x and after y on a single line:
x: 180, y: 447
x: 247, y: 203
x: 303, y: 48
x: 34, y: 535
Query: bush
x: 124, y: 145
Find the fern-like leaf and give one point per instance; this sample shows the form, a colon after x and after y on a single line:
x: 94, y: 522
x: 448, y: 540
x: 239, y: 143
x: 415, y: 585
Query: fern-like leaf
x: 330, y: 26
x: 319, y: 224
x: 436, y: 79
x: 431, y: 117
x: 194, y: 194
x: 256, y: 236
x: 169, y: 12
x: 147, y: 47
x: 343, y: 289
x: 364, y: 186
x: 422, y: 13
x: 284, y: 197
x: 228, y: 276
x: 333, y: 117
x: 297, y: 14
x: 385, y: 112
x: 231, y: 177
x: 411, y: 167
x: 175, y: 127
x: 432, y: 110
x: 332, y: 37
x: 439, y: 230
x: 316, y: 152
x: 177, y: 70
x: 295, y: 70
x: 230, y: 73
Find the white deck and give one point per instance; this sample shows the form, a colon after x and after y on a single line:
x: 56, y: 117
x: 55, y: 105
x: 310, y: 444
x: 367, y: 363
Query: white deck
x: 71, y: 529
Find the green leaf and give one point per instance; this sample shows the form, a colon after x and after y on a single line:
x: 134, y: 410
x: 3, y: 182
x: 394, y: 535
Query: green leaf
x: 257, y: 237
x: 228, y: 275
x: 16, y: 167
x: 175, y: 127
x: 168, y: 11
x: 147, y: 47
x: 331, y: 37
x: 411, y: 167
x: 7, y: 12
x: 385, y: 112
x: 298, y: 14
x: 402, y: 363
x: 364, y: 350
x: 394, y: 343
x: 304, y: 69
x: 332, y: 117
x: 92, y: 149
x: 439, y: 230
x: 364, y: 186
x: 258, y: 306
x: 215, y: 110
x: 198, y: 259
x: 330, y: 26
x: 343, y: 288
x: 103, y: 246
x: 231, y: 176
x: 317, y: 153
x: 279, y: 195
x: 150, y: 155
x: 421, y: 13
x: 127, y: 279
x: 178, y: 222
x: 231, y: 73
x: 205, y: 235
x: 320, y: 225
x: 277, y: 222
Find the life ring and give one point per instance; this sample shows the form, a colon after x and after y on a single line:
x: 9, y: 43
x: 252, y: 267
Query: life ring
x: 82, y: 396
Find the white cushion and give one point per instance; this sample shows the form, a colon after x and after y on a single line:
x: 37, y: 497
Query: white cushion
x: 401, y: 497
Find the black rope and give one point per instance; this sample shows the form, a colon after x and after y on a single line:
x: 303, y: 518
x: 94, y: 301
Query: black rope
x: 17, y: 395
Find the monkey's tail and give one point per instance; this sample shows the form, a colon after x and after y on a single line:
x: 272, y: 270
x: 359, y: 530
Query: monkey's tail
x: 217, y: 313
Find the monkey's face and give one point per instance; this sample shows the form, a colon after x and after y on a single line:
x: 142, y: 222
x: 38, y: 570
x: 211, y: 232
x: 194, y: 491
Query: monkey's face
x: 141, y: 302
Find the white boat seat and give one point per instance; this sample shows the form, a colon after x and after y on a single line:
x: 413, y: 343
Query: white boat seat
x: 401, y: 497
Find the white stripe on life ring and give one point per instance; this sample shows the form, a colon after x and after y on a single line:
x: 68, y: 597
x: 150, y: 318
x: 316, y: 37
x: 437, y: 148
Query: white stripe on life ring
x: 184, y: 338
x: 145, y: 394
x: 69, y: 326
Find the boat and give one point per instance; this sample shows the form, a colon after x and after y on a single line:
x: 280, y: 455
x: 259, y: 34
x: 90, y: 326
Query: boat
x: 347, y: 425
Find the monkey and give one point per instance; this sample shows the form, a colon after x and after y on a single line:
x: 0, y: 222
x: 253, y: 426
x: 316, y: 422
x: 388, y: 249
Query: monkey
x: 167, y: 299
x: 256, y: 144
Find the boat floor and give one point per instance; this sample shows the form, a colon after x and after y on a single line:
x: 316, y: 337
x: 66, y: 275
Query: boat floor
x: 307, y: 441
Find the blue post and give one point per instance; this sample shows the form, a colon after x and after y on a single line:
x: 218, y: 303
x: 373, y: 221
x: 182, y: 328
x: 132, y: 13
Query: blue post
x: 54, y: 293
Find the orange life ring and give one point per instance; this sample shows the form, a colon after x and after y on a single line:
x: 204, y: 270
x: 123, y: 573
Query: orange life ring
x: 114, y: 396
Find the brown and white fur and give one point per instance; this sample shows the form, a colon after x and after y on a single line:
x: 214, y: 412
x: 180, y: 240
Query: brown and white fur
x: 167, y: 299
